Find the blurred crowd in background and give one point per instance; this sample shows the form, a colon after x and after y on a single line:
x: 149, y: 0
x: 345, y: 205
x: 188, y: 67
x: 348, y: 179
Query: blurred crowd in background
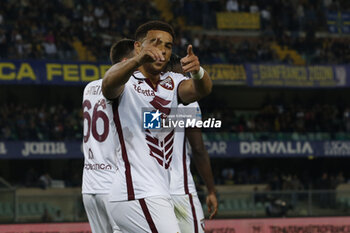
x: 39, y: 29
x: 278, y: 180
x: 57, y: 122
x: 48, y: 29
x: 289, y: 118
x: 53, y: 122
x: 279, y: 15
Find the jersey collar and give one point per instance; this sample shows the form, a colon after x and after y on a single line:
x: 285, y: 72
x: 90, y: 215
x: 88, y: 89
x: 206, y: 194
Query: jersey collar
x: 140, y: 77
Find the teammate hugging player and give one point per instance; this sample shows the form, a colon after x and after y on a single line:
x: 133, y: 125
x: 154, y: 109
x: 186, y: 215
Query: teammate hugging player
x: 139, y: 198
x: 100, y: 143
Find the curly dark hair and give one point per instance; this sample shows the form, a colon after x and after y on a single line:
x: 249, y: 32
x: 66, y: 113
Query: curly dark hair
x: 141, y: 31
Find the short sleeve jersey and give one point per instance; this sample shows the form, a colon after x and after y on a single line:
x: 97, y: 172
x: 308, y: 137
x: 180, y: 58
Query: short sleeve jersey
x: 100, y: 141
x: 144, y: 155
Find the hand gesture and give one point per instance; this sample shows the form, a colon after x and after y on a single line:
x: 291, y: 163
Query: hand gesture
x: 190, y: 63
x: 150, y: 53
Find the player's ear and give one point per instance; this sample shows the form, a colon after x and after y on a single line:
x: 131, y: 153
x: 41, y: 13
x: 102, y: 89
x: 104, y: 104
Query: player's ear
x: 137, y: 47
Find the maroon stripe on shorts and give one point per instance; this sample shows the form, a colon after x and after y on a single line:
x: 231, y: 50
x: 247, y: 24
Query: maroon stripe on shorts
x: 195, y: 221
x: 184, y: 165
x: 148, y: 216
x: 129, y: 185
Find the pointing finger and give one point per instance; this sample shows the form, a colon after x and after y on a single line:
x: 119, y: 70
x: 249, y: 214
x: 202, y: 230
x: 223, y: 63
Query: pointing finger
x: 189, y: 50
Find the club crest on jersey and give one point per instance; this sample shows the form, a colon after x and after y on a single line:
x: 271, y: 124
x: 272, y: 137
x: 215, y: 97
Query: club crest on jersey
x: 167, y: 83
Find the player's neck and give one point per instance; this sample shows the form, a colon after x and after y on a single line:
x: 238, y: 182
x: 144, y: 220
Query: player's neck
x: 154, y: 78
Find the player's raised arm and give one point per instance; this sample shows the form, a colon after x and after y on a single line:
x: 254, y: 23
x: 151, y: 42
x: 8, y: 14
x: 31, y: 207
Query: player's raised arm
x: 115, y: 78
x: 202, y: 163
x: 199, y: 85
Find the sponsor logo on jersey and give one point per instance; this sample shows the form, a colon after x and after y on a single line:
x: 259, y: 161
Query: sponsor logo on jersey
x: 97, y: 166
x: 167, y: 83
x: 147, y: 92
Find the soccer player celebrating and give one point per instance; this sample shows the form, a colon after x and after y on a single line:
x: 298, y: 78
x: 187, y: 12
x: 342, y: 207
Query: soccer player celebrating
x: 99, y: 144
x: 139, y: 198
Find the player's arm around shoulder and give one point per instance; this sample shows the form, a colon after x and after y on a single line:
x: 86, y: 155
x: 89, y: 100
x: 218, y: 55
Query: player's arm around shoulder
x: 200, y: 85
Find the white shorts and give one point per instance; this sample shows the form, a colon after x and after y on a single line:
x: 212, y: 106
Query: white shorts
x: 99, y: 219
x: 152, y: 214
x: 189, y: 213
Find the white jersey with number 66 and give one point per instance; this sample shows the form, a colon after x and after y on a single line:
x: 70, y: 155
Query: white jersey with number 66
x: 100, y: 141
